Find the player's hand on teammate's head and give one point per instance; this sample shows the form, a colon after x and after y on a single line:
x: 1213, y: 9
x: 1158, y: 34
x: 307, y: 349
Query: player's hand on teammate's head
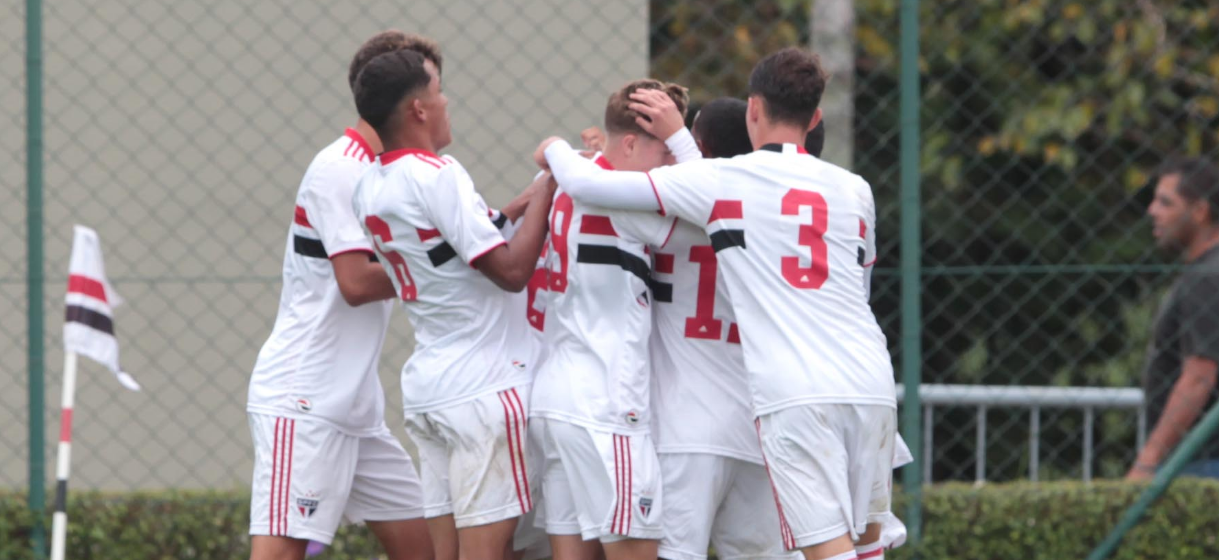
x: 593, y: 138
x: 659, y: 116
x: 539, y: 155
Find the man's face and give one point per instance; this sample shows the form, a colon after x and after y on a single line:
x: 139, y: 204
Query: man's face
x: 436, y: 106
x: 643, y: 153
x: 1174, y: 219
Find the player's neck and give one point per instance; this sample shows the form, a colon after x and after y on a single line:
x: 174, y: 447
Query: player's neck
x: 1203, y: 242
x: 366, y: 131
x: 410, y: 142
x: 778, y: 134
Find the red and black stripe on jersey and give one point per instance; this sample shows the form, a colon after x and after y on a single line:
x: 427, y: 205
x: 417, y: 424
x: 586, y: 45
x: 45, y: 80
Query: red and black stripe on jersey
x: 591, y: 253
x: 662, y: 263
x: 728, y: 236
x: 444, y: 252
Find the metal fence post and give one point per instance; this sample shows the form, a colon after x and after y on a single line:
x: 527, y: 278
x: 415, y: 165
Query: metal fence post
x: 34, y: 318
x: 911, y: 321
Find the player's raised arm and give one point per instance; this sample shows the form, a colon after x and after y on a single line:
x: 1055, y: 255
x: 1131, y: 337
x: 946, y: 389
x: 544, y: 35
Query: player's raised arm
x: 625, y: 190
x: 512, y: 264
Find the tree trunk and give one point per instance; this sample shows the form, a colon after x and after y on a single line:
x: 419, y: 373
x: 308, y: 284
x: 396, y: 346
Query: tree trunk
x: 833, y: 38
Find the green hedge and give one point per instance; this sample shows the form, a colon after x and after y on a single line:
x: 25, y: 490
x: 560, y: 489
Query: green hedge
x: 1017, y: 521
x: 1065, y: 520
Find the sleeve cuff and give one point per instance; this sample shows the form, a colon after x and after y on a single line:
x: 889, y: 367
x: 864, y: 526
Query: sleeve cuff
x: 339, y: 249
x: 683, y: 146
x: 484, y: 252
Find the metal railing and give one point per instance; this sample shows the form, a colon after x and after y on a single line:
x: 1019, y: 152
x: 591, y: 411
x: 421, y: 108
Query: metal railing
x: 1034, y: 398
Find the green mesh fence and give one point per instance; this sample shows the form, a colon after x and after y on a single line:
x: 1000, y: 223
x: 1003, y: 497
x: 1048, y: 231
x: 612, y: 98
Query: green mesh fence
x: 180, y: 132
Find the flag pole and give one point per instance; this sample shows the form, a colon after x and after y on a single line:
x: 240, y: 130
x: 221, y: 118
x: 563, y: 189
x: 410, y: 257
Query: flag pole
x: 63, y: 459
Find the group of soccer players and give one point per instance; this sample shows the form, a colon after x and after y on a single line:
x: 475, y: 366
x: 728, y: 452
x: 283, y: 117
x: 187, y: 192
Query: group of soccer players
x: 656, y: 347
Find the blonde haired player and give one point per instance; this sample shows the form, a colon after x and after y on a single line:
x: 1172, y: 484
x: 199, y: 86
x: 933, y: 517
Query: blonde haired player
x: 590, y: 412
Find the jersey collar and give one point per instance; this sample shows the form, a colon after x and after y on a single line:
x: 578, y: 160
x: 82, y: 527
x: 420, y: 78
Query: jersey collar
x: 781, y: 148
x: 355, y: 135
x: 604, y: 163
x: 390, y: 157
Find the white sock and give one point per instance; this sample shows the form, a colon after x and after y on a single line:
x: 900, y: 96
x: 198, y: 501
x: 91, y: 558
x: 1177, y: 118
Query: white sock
x: 871, y: 551
x: 844, y: 556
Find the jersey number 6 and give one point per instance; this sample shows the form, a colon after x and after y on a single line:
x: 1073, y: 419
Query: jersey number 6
x: 381, y: 235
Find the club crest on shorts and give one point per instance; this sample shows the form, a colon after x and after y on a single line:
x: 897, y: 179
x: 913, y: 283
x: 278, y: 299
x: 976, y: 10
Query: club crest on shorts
x: 307, y: 504
x: 632, y: 417
x: 304, y: 405
x: 645, y: 506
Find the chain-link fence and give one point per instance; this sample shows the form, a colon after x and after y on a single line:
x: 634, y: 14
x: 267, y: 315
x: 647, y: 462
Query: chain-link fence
x: 180, y: 131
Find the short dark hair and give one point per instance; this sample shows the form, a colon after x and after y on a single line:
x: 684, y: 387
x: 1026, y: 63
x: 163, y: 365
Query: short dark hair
x: 790, y: 82
x: 720, y: 128
x: 389, y: 41
x: 1199, y: 180
x: 385, y: 81
x: 621, y: 120
x: 814, y: 141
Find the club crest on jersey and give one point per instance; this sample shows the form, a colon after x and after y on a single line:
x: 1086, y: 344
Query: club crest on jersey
x: 304, y: 405
x: 645, y: 506
x: 632, y: 417
x: 518, y: 365
x: 307, y: 504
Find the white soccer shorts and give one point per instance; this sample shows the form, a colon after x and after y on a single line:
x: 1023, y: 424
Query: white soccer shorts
x: 721, y: 501
x: 309, y: 477
x: 473, y: 458
x: 599, y: 485
x: 831, y: 466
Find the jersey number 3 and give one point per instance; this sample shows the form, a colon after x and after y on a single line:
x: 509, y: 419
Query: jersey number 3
x: 381, y: 235
x: 812, y: 235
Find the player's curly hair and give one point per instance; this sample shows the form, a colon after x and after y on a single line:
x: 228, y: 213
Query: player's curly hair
x: 389, y: 41
x: 619, y: 119
x: 790, y: 83
x: 384, y: 82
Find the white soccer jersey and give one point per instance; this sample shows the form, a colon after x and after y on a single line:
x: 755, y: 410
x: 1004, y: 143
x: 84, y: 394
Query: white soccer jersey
x: 790, y: 232
x: 699, y: 387
x: 598, y: 316
x: 429, y: 226
x: 320, y: 361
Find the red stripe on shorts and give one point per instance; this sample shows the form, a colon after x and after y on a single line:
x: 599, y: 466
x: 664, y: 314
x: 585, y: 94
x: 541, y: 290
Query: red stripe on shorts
x: 616, y: 526
x: 509, y: 423
x: 274, y: 473
x: 287, y: 493
x: 785, y: 530
x: 523, y: 426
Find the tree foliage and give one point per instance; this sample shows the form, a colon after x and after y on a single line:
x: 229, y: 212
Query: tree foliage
x: 1040, y: 122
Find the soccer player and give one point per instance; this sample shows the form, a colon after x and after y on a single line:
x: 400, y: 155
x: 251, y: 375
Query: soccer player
x: 792, y: 235
x: 466, y: 386
x: 590, y: 406
x: 716, y: 488
x: 322, y: 451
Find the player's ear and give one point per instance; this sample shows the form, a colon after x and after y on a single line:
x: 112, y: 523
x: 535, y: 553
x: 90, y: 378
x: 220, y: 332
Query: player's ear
x: 415, y: 109
x: 753, y: 109
x: 812, y: 123
x: 630, y: 142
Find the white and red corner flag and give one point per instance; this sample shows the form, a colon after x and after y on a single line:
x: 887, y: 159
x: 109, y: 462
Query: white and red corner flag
x: 88, y: 327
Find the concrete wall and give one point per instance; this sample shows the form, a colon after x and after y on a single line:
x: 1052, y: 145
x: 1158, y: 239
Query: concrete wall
x: 180, y: 131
